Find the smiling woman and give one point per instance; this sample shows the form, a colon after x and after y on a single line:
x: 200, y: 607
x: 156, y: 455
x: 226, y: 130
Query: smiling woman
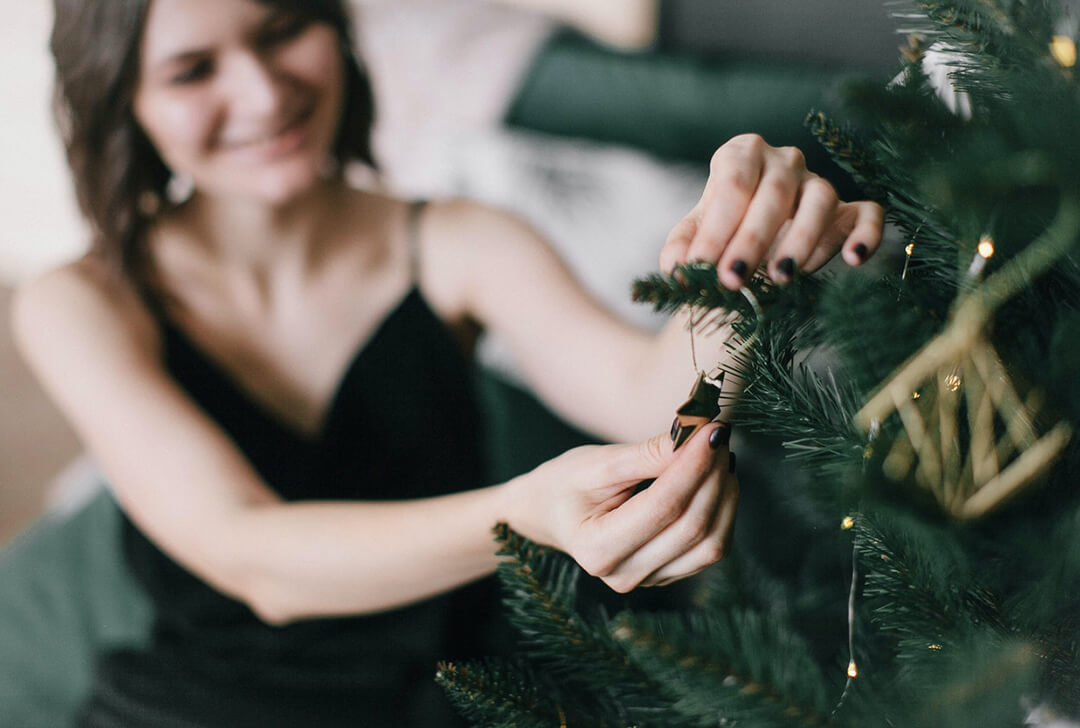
x: 273, y: 372
x: 246, y: 103
x: 109, y: 106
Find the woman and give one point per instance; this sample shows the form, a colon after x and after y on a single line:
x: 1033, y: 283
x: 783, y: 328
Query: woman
x: 271, y: 371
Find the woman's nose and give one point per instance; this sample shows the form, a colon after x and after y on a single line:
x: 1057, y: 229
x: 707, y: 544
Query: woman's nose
x: 253, y: 86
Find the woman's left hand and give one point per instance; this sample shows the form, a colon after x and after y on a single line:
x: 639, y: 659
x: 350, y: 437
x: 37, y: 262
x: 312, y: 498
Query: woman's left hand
x: 762, y: 204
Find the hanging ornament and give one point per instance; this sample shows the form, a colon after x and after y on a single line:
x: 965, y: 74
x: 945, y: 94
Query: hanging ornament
x: 700, y: 409
x: 703, y: 405
x: 959, y: 376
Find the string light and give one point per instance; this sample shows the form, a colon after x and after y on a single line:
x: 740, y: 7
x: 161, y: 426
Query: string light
x: 1063, y: 49
x: 952, y: 382
x: 984, y: 252
x: 935, y: 646
x: 847, y: 523
x: 852, y: 670
x: 908, y: 250
x: 915, y: 395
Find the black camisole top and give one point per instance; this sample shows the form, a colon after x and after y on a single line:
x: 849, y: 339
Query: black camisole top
x: 403, y: 423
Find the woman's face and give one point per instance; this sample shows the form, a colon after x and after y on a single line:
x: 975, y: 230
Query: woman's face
x: 243, y: 98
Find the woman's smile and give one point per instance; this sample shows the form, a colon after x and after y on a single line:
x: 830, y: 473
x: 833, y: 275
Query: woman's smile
x: 292, y: 135
x: 243, y: 98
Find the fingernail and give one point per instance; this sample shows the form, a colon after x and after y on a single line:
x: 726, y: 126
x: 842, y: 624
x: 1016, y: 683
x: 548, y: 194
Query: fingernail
x: 731, y: 462
x: 861, y: 251
x: 720, y: 436
x: 786, y: 267
x: 739, y: 269
x: 674, y: 428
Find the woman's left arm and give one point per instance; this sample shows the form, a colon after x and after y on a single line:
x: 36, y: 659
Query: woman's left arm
x: 589, y: 366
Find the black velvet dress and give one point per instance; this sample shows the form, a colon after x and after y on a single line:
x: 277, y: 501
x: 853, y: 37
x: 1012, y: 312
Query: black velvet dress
x: 402, y: 424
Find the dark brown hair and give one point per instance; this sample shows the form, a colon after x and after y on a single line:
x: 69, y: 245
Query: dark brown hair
x: 117, y: 172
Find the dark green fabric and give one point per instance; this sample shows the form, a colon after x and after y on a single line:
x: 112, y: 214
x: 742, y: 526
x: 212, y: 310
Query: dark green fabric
x: 65, y: 595
x: 519, y: 431
x: 674, y: 106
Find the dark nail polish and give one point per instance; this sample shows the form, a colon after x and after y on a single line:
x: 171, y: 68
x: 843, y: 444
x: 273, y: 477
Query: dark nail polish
x: 674, y: 428
x: 786, y: 267
x: 720, y: 436
x: 739, y: 268
x: 731, y: 462
x: 861, y: 251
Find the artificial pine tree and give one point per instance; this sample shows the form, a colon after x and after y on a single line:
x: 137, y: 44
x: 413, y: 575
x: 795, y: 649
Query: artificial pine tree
x: 932, y: 409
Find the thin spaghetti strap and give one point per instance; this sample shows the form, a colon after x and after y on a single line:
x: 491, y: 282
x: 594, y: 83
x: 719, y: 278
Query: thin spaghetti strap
x: 416, y: 209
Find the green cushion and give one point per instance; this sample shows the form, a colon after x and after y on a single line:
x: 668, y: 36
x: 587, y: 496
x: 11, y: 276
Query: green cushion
x: 674, y: 106
x: 520, y: 431
x: 66, y: 595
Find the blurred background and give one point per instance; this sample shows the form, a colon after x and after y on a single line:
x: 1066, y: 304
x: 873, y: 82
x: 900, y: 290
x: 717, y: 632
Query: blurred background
x: 595, y: 121
x: 39, y: 227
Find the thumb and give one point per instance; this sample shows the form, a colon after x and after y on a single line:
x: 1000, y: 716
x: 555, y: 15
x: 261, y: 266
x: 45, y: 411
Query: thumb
x: 640, y: 460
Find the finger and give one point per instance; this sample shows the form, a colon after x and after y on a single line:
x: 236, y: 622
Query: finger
x: 865, y: 235
x: 772, y: 205
x: 734, y: 175
x: 855, y: 224
x: 678, y: 241
x: 612, y: 536
x: 814, y: 214
x: 634, y: 462
x: 681, y: 536
x: 714, y: 547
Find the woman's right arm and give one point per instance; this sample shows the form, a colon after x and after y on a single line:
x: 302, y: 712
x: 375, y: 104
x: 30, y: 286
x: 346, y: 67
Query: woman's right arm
x: 181, y: 479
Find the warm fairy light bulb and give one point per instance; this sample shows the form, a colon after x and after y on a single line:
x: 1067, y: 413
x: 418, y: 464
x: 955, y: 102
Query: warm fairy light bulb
x: 852, y: 671
x: 915, y: 395
x: 847, y: 523
x: 1063, y: 49
x: 952, y: 382
x: 934, y: 647
x: 985, y: 251
x: 909, y: 249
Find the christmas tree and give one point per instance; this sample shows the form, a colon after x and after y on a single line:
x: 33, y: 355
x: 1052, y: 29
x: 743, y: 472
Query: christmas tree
x: 932, y: 411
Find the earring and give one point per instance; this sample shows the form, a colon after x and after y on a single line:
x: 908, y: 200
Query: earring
x: 179, y: 189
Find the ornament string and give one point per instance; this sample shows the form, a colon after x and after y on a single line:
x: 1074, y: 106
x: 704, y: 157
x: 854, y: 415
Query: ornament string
x: 714, y: 376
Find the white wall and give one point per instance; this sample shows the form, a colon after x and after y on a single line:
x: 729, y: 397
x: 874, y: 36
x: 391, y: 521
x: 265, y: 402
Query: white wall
x: 39, y: 220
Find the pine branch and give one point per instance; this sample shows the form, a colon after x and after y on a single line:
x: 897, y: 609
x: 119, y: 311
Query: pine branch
x: 850, y: 153
x: 500, y: 696
x: 811, y: 415
x: 921, y: 586
x: 540, y: 588
x: 734, y: 666
x: 697, y: 285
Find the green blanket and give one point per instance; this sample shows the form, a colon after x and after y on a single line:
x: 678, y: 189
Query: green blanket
x: 65, y: 596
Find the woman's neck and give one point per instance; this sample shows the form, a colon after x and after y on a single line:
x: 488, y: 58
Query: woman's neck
x: 245, y: 235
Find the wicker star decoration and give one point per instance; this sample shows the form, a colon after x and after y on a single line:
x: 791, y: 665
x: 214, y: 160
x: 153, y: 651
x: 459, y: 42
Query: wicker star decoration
x: 971, y: 437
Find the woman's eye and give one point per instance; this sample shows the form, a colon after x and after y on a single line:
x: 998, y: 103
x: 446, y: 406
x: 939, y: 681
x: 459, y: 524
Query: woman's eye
x: 193, y: 72
x: 283, y: 28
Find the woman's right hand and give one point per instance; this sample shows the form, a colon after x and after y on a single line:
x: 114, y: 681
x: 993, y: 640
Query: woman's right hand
x: 583, y: 502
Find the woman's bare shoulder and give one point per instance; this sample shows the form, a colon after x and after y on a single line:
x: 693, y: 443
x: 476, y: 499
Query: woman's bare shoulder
x: 85, y: 302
